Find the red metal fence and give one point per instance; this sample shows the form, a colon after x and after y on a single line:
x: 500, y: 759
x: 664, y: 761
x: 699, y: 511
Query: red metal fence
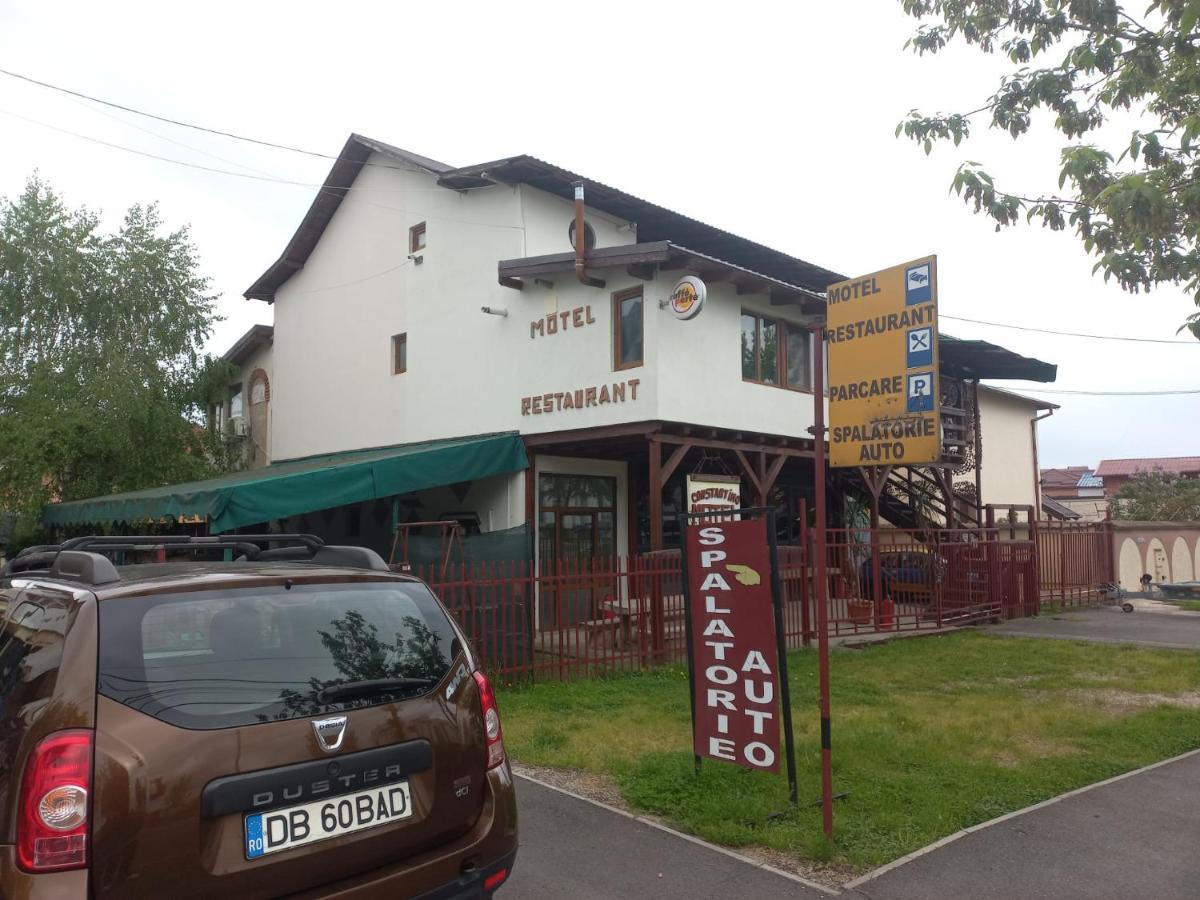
x: 1075, y: 559
x: 568, y: 618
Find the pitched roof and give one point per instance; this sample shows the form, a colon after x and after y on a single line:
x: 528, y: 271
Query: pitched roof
x: 982, y: 359
x: 1090, y: 479
x: 1057, y: 510
x: 1063, y: 478
x: 350, y: 162
x: 248, y: 343
x: 1174, y: 464
x: 654, y: 223
x: 944, y: 339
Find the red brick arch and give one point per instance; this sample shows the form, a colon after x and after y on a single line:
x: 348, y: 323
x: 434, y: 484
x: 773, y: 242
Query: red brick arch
x: 257, y: 375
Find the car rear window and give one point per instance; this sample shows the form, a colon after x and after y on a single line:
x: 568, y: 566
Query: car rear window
x: 222, y: 658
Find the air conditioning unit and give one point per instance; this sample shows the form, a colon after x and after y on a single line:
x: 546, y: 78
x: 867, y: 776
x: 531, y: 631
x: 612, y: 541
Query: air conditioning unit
x: 238, y: 426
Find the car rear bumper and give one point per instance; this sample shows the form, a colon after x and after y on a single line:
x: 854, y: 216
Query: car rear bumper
x: 458, y: 869
x: 477, y: 885
x: 72, y: 885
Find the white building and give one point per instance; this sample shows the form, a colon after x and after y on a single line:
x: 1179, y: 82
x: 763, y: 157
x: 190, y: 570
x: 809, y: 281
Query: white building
x: 419, y: 303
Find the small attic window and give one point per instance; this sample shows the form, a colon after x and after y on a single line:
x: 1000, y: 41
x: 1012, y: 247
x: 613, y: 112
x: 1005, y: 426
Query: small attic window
x: 416, y: 238
x: 589, y: 236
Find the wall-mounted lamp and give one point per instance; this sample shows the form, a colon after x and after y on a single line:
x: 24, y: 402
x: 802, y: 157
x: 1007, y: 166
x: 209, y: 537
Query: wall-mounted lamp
x: 494, y: 312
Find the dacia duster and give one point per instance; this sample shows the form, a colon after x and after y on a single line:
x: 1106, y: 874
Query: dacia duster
x: 297, y: 720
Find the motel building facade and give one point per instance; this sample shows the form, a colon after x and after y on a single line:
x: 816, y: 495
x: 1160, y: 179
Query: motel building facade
x: 441, y: 350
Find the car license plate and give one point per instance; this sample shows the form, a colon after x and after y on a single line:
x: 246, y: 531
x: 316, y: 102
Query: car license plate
x: 295, y: 826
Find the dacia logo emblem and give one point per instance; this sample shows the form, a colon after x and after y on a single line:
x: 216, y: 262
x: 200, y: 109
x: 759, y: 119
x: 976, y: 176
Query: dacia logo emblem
x: 330, y: 732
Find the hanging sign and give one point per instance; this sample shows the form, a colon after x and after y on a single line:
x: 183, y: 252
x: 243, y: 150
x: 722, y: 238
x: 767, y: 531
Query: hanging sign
x: 883, y: 367
x: 713, y: 493
x: 734, y: 646
x: 687, y: 297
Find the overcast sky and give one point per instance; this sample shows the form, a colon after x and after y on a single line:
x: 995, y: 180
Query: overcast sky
x: 774, y: 121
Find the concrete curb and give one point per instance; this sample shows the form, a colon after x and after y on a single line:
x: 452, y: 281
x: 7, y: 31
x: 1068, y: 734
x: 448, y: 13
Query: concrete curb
x: 896, y: 863
x: 791, y: 876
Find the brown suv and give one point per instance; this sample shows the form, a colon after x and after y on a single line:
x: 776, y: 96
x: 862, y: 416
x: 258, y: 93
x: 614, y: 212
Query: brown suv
x: 298, y: 720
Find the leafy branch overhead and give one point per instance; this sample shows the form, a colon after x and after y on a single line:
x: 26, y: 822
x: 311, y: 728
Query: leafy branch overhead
x: 1135, y: 205
x: 102, y: 380
x: 1158, y: 496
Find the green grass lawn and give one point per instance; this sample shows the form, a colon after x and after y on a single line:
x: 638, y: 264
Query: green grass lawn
x: 929, y: 736
x: 1190, y: 605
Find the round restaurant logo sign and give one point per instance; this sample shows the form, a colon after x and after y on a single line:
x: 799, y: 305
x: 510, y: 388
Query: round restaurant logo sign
x: 687, y: 299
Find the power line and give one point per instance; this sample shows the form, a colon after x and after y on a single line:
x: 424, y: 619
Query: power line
x: 320, y: 186
x: 1040, y: 390
x: 166, y: 159
x: 1077, y: 334
x: 179, y: 122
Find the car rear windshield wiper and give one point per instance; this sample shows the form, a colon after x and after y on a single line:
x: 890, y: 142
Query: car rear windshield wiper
x: 349, y: 689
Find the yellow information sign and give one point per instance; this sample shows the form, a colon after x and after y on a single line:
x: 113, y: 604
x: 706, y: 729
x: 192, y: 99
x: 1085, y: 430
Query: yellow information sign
x: 883, y: 367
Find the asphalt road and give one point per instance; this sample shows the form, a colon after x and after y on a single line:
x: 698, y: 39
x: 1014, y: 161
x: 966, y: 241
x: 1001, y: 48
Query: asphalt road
x: 572, y: 848
x: 1132, y: 838
x: 1152, y: 624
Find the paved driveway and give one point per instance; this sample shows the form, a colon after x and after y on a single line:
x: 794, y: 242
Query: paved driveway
x: 1153, y: 624
x: 572, y: 848
x: 1131, y: 838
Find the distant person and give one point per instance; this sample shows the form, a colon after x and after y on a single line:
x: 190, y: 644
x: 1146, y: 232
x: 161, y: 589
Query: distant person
x: 1147, y: 581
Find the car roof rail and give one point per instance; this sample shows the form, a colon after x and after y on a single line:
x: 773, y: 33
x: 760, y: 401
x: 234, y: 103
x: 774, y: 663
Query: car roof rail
x: 81, y: 558
x: 79, y: 565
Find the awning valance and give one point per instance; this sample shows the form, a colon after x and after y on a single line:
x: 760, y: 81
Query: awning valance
x: 305, y: 485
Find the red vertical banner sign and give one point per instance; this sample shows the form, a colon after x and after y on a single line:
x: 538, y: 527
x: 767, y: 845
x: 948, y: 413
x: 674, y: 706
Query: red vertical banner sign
x: 734, y: 645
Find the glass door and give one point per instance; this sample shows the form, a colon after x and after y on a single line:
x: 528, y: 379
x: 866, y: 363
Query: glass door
x: 576, y: 537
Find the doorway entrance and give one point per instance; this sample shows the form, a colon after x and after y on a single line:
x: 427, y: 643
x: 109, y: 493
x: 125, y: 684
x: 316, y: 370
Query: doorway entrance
x: 577, y: 519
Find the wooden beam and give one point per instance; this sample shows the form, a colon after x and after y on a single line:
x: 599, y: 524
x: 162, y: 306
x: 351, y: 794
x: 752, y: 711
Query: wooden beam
x: 747, y: 287
x: 749, y: 470
x: 714, y: 275
x: 515, y: 283
x: 782, y: 297
x: 773, y: 473
x: 673, y: 462
x: 600, y: 433
x: 644, y: 271
x: 747, y: 447
x: 654, y: 488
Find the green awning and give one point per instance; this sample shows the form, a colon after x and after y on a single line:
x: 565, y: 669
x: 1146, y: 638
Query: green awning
x: 305, y: 485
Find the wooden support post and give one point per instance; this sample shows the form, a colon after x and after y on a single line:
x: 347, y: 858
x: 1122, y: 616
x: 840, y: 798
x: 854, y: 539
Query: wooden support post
x: 657, y: 605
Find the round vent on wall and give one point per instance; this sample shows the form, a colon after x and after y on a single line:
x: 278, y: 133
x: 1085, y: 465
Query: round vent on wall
x: 589, y: 236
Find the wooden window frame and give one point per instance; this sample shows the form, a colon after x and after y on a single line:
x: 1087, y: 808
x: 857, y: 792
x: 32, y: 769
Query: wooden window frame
x: 415, y: 233
x: 398, y: 341
x: 784, y: 326
x: 618, y: 298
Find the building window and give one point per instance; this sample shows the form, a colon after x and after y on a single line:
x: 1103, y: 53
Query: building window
x: 235, y: 400
x: 776, y: 353
x: 416, y: 238
x: 399, y: 353
x: 627, y: 329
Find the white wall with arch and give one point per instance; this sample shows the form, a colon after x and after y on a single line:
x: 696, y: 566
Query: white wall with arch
x: 1181, y: 561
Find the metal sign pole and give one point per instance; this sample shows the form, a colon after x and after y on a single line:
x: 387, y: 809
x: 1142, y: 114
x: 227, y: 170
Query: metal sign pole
x: 785, y: 694
x: 822, y: 586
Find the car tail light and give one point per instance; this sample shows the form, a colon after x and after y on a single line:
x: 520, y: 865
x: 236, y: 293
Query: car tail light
x: 52, y: 820
x: 491, y: 721
x: 494, y: 880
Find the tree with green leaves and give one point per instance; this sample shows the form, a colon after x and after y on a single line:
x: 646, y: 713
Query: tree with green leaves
x: 1134, y: 201
x: 1159, y: 496
x: 102, y: 380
